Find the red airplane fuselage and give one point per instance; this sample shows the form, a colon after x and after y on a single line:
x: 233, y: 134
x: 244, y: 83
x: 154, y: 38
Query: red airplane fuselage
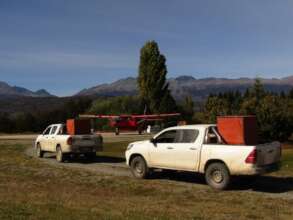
x: 130, y: 122
x: 124, y: 123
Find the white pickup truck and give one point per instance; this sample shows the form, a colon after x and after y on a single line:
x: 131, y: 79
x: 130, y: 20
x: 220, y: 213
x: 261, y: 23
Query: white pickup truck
x: 55, y: 139
x: 199, y: 148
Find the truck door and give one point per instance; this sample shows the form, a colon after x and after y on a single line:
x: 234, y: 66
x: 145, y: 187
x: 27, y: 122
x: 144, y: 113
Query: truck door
x: 162, y: 151
x: 187, y: 149
x: 45, y: 139
x: 52, y: 138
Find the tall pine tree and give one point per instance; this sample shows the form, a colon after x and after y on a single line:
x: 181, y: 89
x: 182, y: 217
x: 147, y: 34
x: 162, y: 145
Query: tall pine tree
x: 153, y: 88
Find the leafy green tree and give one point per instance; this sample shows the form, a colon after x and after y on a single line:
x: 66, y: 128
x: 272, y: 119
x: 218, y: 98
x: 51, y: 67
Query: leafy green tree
x: 187, y: 109
x: 274, y: 115
x: 215, y: 106
x: 153, y: 88
x: 117, y: 105
x: 257, y: 90
x: 290, y: 94
x: 6, y: 124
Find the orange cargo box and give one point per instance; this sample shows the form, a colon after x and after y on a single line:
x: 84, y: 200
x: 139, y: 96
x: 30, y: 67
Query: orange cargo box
x: 78, y: 126
x: 238, y: 129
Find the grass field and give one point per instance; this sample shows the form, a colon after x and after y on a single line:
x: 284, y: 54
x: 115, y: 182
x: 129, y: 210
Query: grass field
x: 31, y: 189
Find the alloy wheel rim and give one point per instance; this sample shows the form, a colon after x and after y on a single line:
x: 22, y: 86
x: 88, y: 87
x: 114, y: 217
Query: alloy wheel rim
x: 138, y: 167
x: 217, y: 176
x: 38, y: 151
x: 59, y: 155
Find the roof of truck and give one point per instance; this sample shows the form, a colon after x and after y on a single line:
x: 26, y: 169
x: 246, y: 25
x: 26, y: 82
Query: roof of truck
x: 195, y: 126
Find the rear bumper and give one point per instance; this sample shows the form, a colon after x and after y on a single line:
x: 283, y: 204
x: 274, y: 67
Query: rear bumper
x: 85, y: 149
x: 267, y: 168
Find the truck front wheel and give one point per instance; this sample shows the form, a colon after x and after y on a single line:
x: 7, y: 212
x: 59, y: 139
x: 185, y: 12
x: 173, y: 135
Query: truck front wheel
x: 217, y: 176
x: 39, y: 151
x: 139, y: 168
x: 60, y: 157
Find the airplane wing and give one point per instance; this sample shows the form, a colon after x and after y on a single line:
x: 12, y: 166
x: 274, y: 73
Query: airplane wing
x: 156, y: 116
x: 99, y: 116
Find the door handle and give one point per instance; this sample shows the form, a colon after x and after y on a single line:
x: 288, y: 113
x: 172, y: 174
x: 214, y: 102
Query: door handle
x: 170, y: 148
x: 192, y: 148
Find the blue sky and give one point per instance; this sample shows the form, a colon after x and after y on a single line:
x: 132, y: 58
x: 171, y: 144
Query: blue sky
x: 64, y: 46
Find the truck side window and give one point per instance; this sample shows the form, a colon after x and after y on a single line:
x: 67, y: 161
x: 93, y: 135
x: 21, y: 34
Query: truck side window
x: 166, y: 137
x: 47, y: 131
x: 53, y: 130
x: 186, y: 136
x: 212, y: 137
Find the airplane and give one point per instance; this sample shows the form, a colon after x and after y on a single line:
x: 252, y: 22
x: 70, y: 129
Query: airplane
x: 130, y: 122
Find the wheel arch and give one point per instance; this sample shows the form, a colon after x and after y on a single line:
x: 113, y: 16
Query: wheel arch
x: 211, y: 161
x: 136, y: 155
x: 58, y: 145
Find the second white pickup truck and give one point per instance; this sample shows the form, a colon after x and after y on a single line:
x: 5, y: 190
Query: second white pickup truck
x: 199, y: 148
x: 55, y: 139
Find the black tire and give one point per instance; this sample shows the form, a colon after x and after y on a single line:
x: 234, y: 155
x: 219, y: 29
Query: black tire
x: 39, y: 152
x: 91, y: 155
x: 139, y: 131
x: 139, y: 168
x: 217, y: 176
x: 60, y: 156
x: 117, y: 131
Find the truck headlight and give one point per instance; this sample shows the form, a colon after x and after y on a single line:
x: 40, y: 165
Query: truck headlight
x: 129, y: 146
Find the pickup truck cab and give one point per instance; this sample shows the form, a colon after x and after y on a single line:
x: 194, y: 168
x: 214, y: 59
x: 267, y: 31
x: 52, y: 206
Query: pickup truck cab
x: 55, y: 139
x: 200, y: 148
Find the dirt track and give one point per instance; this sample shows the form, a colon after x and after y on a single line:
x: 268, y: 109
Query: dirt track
x: 102, y: 164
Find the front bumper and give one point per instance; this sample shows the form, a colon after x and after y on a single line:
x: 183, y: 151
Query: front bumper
x: 127, y: 156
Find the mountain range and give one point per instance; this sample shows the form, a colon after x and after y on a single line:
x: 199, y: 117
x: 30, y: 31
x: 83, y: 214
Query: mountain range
x: 180, y: 87
x: 183, y: 86
x: 11, y: 91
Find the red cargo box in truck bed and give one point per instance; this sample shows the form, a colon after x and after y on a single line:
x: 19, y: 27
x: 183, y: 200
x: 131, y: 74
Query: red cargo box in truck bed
x: 238, y: 129
x: 78, y: 126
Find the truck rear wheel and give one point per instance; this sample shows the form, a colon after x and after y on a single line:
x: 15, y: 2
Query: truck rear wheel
x: 217, y: 176
x: 39, y: 152
x: 60, y: 157
x: 139, y: 168
x: 117, y: 131
x: 91, y: 155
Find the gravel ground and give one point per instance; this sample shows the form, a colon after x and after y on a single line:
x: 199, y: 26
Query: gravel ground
x: 99, y: 164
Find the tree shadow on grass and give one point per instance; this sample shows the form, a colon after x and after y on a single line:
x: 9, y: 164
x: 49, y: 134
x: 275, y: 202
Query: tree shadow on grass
x: 268, y: 184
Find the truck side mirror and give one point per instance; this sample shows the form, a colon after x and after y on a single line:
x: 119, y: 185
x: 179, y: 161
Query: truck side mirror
x: 152, y: 140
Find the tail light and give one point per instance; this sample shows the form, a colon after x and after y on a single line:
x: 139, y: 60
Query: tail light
x: 251, y: 158
x: 69, y: 141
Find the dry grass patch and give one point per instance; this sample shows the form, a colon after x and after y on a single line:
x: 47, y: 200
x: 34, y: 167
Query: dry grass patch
x: 31, y: 189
